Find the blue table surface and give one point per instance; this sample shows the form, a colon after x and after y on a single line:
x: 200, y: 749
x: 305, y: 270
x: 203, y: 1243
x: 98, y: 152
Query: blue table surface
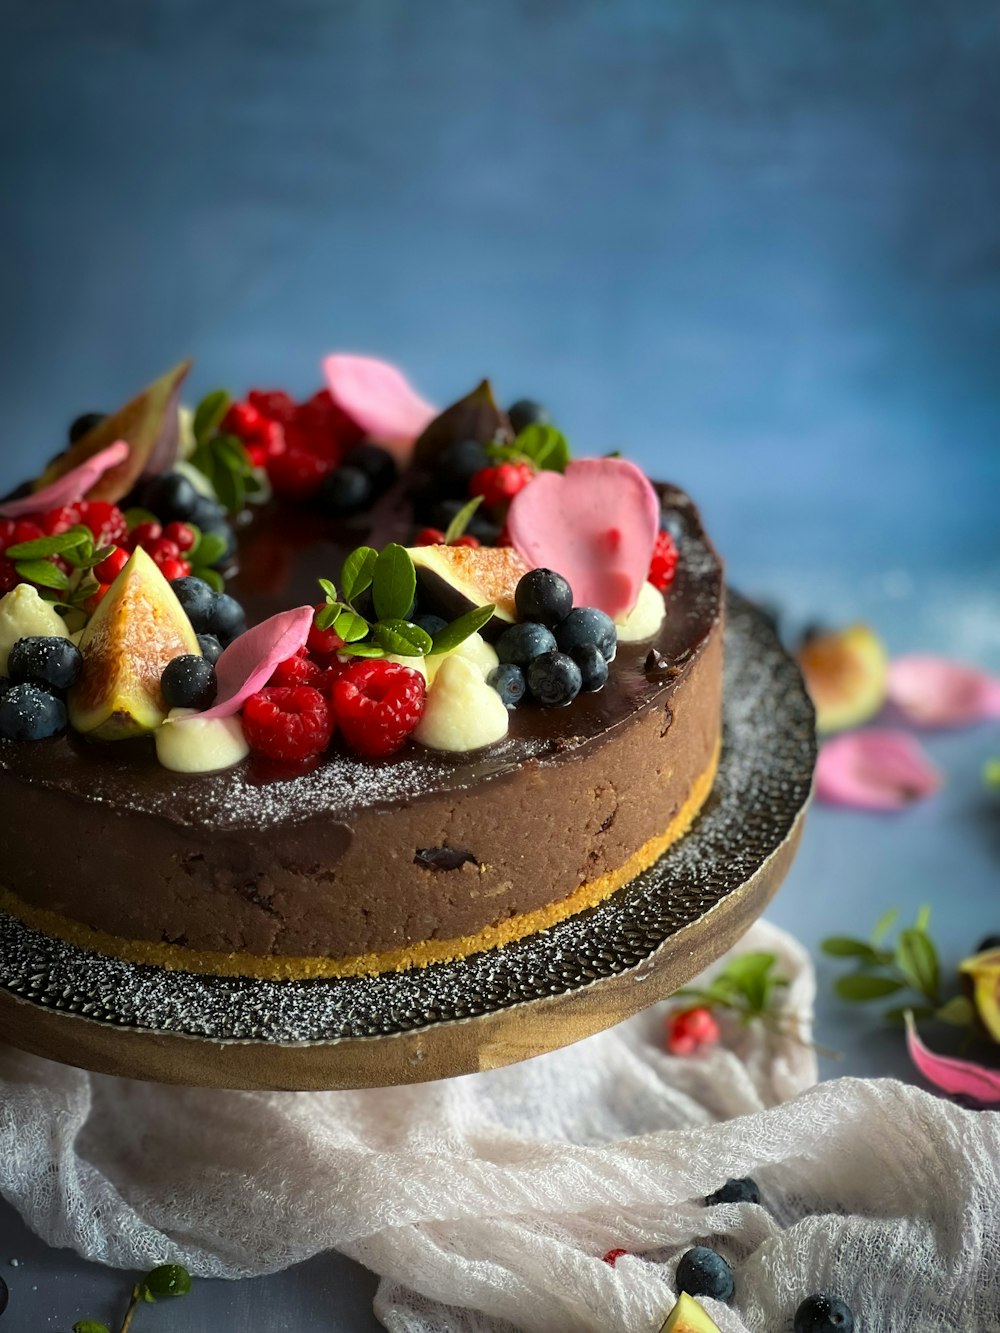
x: 755, y: 247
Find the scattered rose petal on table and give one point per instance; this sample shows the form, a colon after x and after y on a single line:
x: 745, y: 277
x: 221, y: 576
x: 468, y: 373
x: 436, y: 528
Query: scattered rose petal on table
x: 379, y: 398
x: 70, y: 487
x: 951, y: 1074
x: 874, y: 770
x: 936, y: 692
x: 248, y: 663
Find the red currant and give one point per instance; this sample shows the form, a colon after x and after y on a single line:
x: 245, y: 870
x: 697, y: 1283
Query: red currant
x: 163, y: 549
x: 106, y: 521
x: 174, y: 569
x: 690, y: 1029
x: 498, y: 485
x: 61, y: 519
x: 466, y: 540
x: 144, y: 534
x: 181, y: 534
x: 112, y: 565
x: 322, y: 643
x: 429, y: 537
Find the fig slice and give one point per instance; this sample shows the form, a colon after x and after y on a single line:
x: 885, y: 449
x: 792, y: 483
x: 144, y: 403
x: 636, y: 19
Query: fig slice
x: 477, y: 416
x: 150, y: 426
x: 846, y: 674
x: 984, y: 972
x: 138, y: 628
x: 455, y: 579
x: 688, y: 1316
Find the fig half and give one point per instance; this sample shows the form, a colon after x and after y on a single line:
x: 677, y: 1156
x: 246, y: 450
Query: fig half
x: 846, y: 674
x: 688, y: 1316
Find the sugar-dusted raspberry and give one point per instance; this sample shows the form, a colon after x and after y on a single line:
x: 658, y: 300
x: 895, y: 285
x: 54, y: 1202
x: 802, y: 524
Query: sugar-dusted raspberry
x: 663, y: 565
x: 112, y: 565
x: 106, y: 521
x: 298, y: 670
x: 298, y: 473
x: 61, y: 520
x: 288, y: 723
x: 378, y: 704
x: 498, y: 485
x: 274, y: 404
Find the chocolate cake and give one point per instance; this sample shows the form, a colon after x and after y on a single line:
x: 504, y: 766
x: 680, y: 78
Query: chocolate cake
x: 341, y: 861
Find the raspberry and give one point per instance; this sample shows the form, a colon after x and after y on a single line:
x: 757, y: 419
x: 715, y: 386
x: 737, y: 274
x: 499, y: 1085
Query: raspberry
x: 112, y: 565
x: 61, y: 520
x: 320, y: 427
x: 663, y: 565
x: 497, y: 485
x: 613, y: 1256
x: 298, y: 671
x: 322, y: 642
x: 25, y: 531
x: 288, y: 723
x: 429, y: 537
x: 297, y: 474
x: 263, y: 437
x: 105, y: 520
x: 274, y: 404
x: 181, y: 534
x: 242, y: 419
x: 378, y: 704
x: 690, y: 1029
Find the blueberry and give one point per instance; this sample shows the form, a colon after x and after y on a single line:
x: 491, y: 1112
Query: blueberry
x: 824, y: 1314
x: 45, y: 660
x: 211, y: 648
x: 171, y: 497
x: 671, y: 521
x: 30, y: 712
x: 5, y: 684
x: 521, y: 643
x: 461, y: 461
x: 4, y: 1295
x: 545, y: 596
x: 198, y: 601
x: 485, y: 531
x: 346, y: 491
x: 508, y: 681
x: 228, y: 619
x: 988, y: 943
x: 445, y: 510
x: 702, y: 1272
x: 738, y: 1189
x: 585, y: 624
x: 207, y: 513
x: 526, y: 412
x: 376, y: 463
x: 430, y: 624
x: 84, y: 424
x: 554, y: 679
x: 189, y: 682
x: 593, y: 666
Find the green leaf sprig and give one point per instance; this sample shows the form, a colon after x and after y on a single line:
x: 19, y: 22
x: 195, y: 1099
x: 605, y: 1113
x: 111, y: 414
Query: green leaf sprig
x: 391, y: 577
x: 911, y: 964
x: 542, y: 445
x: 222, y: 458
x: 748, y: 986
x: 166, y: 1280
x: 35, y: 562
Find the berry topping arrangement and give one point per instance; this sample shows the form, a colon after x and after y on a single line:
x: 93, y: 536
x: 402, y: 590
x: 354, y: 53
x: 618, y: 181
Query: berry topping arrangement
x: 500, y: 578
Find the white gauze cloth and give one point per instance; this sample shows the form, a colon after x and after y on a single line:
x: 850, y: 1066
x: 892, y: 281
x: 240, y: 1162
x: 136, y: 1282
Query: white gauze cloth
x: 486, y: 1202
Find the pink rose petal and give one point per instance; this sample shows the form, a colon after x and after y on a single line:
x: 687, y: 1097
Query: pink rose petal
x: 70, y: 487
x: 950, y: 1074
x: 595, y: 525
x: 379, y: 399
x: 936, y: 692
x: 248, y: 663
x: 874, y: 770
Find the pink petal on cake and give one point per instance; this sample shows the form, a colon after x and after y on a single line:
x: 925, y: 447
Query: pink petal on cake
x: 70, y: 487
x: 248, y: 663
x: 936, y: 692
x: 595, y: 524
x: 950, y: 1074
x: 874, y: 770
x: 379, y: 398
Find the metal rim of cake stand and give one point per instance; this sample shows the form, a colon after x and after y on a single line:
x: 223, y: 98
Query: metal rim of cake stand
x: 574, y: 979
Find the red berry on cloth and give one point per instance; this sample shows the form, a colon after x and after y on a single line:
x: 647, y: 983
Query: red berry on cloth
x: 613, y: 1256
x: 497, y: 485
x: 378, y: 704
x: 663, y: 565
x: 690, y: 1029
x: 288, y: 723
x: 111, y: 566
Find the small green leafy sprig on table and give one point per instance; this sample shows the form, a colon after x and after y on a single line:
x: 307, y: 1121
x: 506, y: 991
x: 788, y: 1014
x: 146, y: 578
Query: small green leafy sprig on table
x: 167, y: 1280
x: 541, y: 445
x: 392, y: 578
x: 220, y: 457
x: 910, y: 965
x: 35, y: 562
x: 748, y: 986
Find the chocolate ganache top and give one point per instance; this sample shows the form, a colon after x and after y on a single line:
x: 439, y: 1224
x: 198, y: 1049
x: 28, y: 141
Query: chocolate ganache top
x: 281, y: 554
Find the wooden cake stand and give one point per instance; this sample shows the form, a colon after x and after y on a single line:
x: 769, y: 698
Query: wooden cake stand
x: 493, y: 1009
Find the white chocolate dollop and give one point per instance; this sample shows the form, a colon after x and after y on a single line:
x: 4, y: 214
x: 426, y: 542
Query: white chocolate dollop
x: 186, y: 743
x: 474, y: 649
x: 24, y: 613
x: 645, y: 618
x: 462, y: 711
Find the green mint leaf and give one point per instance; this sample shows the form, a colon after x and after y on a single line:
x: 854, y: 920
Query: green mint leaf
x: 210, y: 549
x: 42, y: 572
x: 459, y: 630
x: 842, y: 946
x: 209, y: 413
x: 402, y: 638
x: 959, y: 1010
x: 42, y: 547
x: 357, y: 573
x: 545, y: 446
x: 917, y: 959
x: 394, y: 582
x: 325, y: 618
x: 90, y: 1326
x: 212, y: 577
x: 897, y: 1014
x: 924, y: 917
x: 884, y: 924
x: 167, y: 1280
x: 329, y: 591
x: 361, y: 650
x: 350, y: 626
x: 460, y: 522
x: 230, y: 489
x: 860, y: 986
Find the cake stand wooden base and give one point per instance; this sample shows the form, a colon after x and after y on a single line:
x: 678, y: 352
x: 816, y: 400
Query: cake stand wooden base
x: 573, y: 980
